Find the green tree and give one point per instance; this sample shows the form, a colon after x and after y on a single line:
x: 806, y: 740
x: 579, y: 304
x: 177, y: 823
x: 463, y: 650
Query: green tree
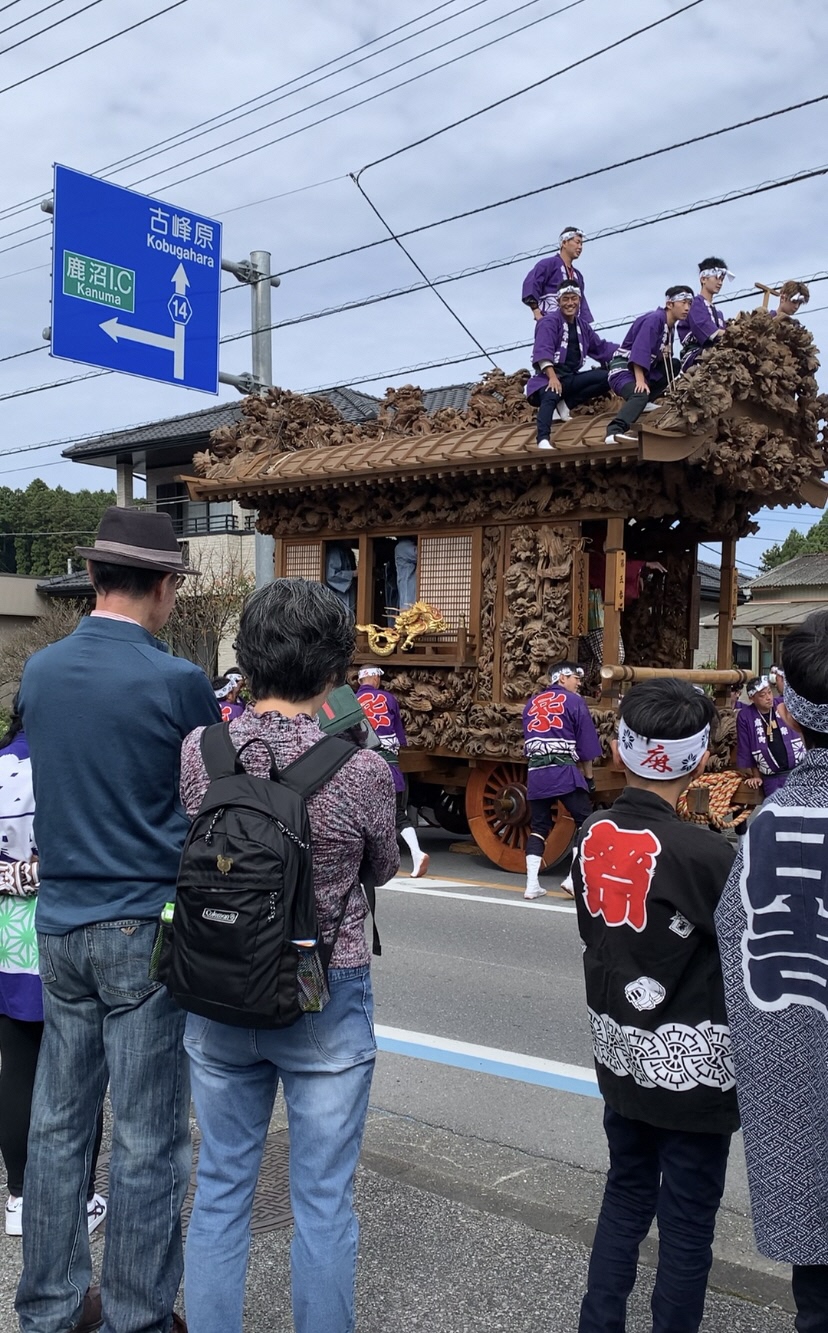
x: 812, y: 542
x: 41, y: 526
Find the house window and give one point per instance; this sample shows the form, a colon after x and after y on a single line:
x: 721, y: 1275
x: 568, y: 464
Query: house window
x: 194, y: 518
x: 444, y: 577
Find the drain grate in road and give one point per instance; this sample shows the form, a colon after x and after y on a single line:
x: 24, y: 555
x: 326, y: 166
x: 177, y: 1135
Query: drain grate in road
x: 271, y: 1205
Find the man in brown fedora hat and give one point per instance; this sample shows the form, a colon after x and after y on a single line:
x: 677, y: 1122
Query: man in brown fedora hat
x: 105, y: 711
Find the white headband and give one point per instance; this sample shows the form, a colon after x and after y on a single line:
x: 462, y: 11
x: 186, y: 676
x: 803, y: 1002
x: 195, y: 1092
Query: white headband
x: 685, y: 295
x: 232, y: 681
x: 555, y: 676
x: 717, y: 273
x: 796, y: 299
x: 569, y: 287
x: 755, y: 686
x: 570, y: 235
x: 813, y: 716
x: 661, y: 760
x: 364, y: 672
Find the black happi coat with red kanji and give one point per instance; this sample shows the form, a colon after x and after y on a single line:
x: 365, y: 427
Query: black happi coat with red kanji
x: 646, y: 888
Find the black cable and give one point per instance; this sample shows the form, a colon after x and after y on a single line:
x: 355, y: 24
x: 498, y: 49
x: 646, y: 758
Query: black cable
x: 323, y: 120
x: 539, y: 83
x: 28, y: 352
x: 12, y: 210
x: 421, y: 272
x: 556, y: 185
x: 188, y: 136
x: 104, y: 42
x: 237, y: 157
x: 11, y: 4
x: 49, y: 26
x: 53, y: 384
x: 636, y: 225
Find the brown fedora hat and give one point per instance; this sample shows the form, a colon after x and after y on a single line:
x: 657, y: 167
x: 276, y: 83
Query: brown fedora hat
x: 138, y: 538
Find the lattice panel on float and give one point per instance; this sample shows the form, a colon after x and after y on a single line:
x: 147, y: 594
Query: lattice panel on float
x: 445, y: 576
x: 303, y: 560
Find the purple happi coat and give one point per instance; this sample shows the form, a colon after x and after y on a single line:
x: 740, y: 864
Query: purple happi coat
x: 557, y: 732
x: 383, y: 712
x: 552, y: 335
x: 646, y: 343
x: 542, y: 283
x: 698, y: 330
x: 753, y: 750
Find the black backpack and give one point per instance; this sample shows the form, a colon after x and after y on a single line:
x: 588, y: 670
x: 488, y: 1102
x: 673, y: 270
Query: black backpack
x: 242, y: 944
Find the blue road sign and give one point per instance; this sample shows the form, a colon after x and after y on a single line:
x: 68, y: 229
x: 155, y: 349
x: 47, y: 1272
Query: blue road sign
x: 135, y: 283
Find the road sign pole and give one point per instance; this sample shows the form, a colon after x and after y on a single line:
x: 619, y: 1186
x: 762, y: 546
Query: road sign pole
x: 260, y: 323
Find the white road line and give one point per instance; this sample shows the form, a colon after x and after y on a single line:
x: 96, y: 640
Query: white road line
x: 416, y: 886
x: 489, y: 1060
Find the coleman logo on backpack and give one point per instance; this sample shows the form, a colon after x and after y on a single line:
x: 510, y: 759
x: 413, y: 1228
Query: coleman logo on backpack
x: 272, y: 966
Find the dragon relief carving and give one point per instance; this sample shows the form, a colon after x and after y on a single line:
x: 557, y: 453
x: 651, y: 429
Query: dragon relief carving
x: 416, y: 620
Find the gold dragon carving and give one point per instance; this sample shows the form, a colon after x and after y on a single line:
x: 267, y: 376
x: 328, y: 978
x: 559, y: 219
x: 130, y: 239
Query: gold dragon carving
x: 416, y: 620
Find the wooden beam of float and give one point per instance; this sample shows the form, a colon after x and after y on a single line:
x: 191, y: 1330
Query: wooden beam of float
x: 694, y: 675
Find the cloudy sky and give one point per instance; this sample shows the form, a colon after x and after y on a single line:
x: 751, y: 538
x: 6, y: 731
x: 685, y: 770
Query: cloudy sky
x: 284, y: 186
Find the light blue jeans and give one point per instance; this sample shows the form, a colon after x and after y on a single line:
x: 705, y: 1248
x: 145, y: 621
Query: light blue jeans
x: 104, y: 1019
x: 325, y: 1063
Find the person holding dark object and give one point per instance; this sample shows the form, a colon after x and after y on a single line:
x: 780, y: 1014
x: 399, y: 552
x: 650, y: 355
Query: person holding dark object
x: 563, y: 341
x: 767, y: 748
x: 646, y: 887
x: 294, y: 644
x: 540, y: 287
x: 105, y: 712
x: 705, y: 321
x: 560, y: 743
x: 383, y: 712
x: 644, y: 365
x: 772, y: 924
x: 792, y: 297
x: 21, y: 991
x: 227, y: 689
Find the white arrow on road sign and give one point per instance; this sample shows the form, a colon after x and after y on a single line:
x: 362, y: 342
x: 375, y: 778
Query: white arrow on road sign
x: 175, y: 344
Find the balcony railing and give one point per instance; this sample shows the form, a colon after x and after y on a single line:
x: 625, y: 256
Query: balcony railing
x: 212, y: 524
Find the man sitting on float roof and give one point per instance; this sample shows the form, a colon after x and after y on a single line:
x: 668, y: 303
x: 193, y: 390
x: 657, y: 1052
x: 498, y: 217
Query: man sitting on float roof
x: 644, y: 366
x: 540, y: 287
x: 563, y: 340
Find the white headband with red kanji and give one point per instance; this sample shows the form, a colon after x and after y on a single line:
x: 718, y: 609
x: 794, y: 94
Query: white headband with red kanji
x: 663, y: 760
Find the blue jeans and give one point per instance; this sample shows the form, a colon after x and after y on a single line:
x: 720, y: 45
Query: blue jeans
x: 103, y: 1019
x: 325, y: 1063
x: 678, y: 1178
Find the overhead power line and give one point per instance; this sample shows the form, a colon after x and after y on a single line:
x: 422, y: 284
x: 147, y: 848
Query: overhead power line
x: 539, y: 83
x: 48, y: 28
x: 47, y: 69
x: 555, y: 185
x: 11, y: 210
x: 333, y: 115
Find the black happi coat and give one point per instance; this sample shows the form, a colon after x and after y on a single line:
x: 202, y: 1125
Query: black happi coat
x: 647, y: 885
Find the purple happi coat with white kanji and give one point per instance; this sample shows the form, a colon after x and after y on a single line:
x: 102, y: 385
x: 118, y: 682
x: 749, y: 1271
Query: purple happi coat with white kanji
x: 558, y: 731
x: 772, y: 926
x: 383, y: 712
x: 753, y: 750
x: 647, y: 342
x: 703, y: 322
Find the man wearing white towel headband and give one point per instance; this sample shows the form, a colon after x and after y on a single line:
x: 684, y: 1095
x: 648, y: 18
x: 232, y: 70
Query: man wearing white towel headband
x: 383, y: 712
x: 540, y: 287
x: 705, y: 321
x: 646, y: 887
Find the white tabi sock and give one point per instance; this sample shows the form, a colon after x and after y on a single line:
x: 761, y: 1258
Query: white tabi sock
x: 533, y: 865
x: 419, y: 857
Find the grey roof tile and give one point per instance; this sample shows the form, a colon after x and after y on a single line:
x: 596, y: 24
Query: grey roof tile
x: 804, y: 571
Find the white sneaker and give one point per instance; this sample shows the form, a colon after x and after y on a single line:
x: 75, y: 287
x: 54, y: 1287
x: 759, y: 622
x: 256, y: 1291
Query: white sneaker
x: 420, y: 865
x: 568, y: 887
x: 14, y: 1216
x: 535, y: 891
x: 562, y: 412
x: 624, y: 438
x: 653, y: 407
x: 544, y: 444
x: 95, y: 1212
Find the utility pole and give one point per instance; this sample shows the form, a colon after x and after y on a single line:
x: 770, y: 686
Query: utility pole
x: 256, y: 272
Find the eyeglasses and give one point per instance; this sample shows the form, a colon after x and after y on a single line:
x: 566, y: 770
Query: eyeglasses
x: 180, y: 580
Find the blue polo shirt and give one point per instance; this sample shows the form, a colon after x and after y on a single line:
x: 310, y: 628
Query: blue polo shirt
x: 105, y: 712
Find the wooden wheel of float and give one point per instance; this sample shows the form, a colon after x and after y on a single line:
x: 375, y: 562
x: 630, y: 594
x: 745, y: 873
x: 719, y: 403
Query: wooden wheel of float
x: 498, y: 811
